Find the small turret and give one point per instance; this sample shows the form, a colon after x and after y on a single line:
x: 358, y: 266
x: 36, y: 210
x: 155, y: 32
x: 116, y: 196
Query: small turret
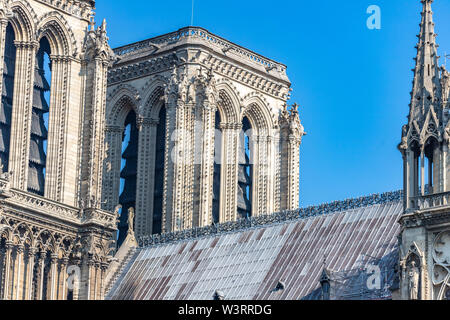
x: 423, y: 138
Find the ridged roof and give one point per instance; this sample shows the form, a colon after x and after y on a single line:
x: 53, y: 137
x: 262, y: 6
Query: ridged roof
x: 249, y: 263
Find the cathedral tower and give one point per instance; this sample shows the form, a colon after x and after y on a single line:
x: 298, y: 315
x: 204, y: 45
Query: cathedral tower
x: 210, y: 138
x: 425, y: 239
x: 55, y: 239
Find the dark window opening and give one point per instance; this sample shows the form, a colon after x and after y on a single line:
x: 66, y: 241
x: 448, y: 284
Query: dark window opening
x: 128, y: 173
x: 217, y: 169
x: 7, y: 97
x: 159, y: 172
x: 245, y: 171
x: 39, y: 120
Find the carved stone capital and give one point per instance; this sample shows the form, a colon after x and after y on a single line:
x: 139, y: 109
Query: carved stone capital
x: 26, y: 45
x: 114, y: 129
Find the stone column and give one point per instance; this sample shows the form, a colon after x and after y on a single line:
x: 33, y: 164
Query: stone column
x: 7, y: 285
x: 260, y: 175
x: 146, y: 174
x: 229, y: 174
x: 40, y: 275
x: 90, y: 276
x: 59, y: 131
x: 205, y: 155
x: 103, y: 268
x: 53, y: 277
x: 77, y: 283
x: 422, y: 172
x: 95, y: 281
x: 19, y: 259
x: 3, y: 25
x: 186, y: 165
x: 93, y: 153
x: 294, y: 172
x: 176, y: 192
x: 21, y: 114
x: 444, y: 187
x: 29, y: 285
x: 111, y: 175
x: 277, y: 172
x: 406, y: 179
x: 63, y: 279
x: 271, y: 172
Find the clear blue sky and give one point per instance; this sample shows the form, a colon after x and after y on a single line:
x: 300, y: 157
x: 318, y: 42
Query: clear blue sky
x: 352, y: 83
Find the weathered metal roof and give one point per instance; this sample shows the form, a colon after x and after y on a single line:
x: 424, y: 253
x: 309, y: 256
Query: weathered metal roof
x: 249, y: 264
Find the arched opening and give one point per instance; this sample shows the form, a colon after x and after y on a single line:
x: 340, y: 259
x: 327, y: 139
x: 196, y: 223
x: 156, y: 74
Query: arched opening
x: 430, y: 161
x: 39, y: 119
x: 217, y: 169
x: 160, y: 151
x: 7, y: 97
x: 245, y: 170
x: 415, y: 172
x: 128, y: 173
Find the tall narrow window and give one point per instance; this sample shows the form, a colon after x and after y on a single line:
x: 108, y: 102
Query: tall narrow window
x: 39, y: 120
x: 217, y: 168
x: 7, y: 97
x: 159, y: 171
x: 245, y: 171
x: 128, y: 174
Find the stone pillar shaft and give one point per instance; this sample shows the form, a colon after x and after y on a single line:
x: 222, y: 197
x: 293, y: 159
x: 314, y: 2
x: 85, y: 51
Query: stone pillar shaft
x: 18, y: 271
x: 3, y: 25
x: 229, y: 174
x: 21, y: 114
x: 206, y: 145
x: 6, y: 289
x: 29, y: 286
x: 145, y: 180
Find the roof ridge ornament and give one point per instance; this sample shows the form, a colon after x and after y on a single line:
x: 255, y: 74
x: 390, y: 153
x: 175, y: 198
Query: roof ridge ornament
x: 270, y: 219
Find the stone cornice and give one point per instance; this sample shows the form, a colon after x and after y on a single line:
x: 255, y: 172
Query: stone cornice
x: 197, y: 35
x: 161, y: 53
x: 47, y: 208
x: 126, y: 72
x: 79, y: 8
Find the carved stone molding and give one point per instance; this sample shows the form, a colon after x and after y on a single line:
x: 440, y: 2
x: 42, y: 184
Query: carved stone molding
x: 441, y: 265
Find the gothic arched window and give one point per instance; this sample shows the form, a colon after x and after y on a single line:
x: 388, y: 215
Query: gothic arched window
x: 128, y: 173
x: 245, y: 170
x: 160, y: 148
x: 217, y: 169
x: 7, y: 97
x: 39, y: 120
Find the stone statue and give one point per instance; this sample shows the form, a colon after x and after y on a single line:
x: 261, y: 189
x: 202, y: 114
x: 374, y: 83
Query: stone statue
x: 131, y: 220
x: 117, y: 213
x: 93, y: 202
x: 5, y: 189
x: 413, y: 281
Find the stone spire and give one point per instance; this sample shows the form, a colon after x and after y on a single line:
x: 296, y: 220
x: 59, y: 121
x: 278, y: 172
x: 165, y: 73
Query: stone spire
x: 426, y: 85
x: 423, y: 136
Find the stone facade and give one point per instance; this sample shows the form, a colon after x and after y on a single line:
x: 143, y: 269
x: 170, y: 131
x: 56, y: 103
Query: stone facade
x: 197, y: 76
x: 186, y: 96
x: 425, y: 236
x: 48, y: 240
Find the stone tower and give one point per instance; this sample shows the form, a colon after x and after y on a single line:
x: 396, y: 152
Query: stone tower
x: 425, y: 237
x: 55, y: 239
x: 208, y: 136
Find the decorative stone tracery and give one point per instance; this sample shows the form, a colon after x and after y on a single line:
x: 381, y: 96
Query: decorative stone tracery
x: 195, y: 89
x: 44, y: 237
